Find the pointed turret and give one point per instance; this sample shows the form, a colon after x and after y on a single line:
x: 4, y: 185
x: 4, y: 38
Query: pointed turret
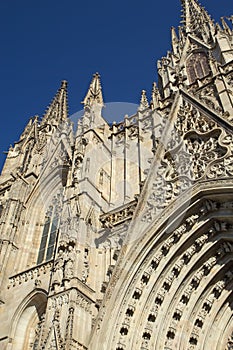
x: 58, y: 109
x: 196, y: 20
x: 94, y: 93
x: 143, y: 102
x: 93, y: 105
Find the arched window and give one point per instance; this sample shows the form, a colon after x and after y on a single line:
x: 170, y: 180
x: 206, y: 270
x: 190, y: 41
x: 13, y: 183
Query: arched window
x: 49, y: 235
x: 197, y: 67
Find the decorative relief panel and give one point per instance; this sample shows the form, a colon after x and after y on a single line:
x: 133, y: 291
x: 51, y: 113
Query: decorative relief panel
x: 198, y: 149
x: 63, y: 269
x: 229, y: 343
x: 209, y: 96
x: 119, y: 216
x: 32, y: 274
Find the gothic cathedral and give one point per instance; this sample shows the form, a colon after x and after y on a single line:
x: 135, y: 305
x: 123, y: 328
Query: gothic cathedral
x: 120, y: 237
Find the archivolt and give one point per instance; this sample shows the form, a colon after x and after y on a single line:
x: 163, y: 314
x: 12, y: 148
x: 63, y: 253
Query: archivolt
x: 180, y: 295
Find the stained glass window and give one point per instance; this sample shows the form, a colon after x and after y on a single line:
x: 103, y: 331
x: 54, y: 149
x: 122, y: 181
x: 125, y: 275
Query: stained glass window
x: 197, y: 67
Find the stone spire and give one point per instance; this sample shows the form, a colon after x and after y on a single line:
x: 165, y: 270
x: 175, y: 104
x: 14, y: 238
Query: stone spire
x: 57, y: 111
x: 93, y: 105
x: 94, y: 93
x: 196, y: 20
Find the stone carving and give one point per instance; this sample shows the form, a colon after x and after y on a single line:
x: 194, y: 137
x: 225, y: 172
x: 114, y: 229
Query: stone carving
x: 133, y: 132
x: 69, y: 224
x: 171, y: 276
x: 120, y: 139
x: 230, y: 79
x: 38, y: 333
x: 208, y: 96
x: 63, y: 269
x: 189, y: 222
x: 207, y: 305
x: 147, y: 124
x: 224, y: 248
x: 80, y: 150
x: 197, y: 148
x: 189, y: 118
x: 77, y: 170
x: 58, y: 272
x: 229, y: 343
x: 53, y: 345
x: 208, y: 265
x: 62, y: 299
x: 69, y: 263
x: 222, y: 168
x: 31, y: 274
x: 192, y: 158
x: 111, y: 219
x: 88, y: 118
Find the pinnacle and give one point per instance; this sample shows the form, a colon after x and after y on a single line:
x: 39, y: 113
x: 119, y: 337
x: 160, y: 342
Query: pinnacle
x: 196, y: 19
x: 94, y: 93
x: 57, y: 111
x: 143, y: 102
x: 155, y: 96
x: 64, y: 84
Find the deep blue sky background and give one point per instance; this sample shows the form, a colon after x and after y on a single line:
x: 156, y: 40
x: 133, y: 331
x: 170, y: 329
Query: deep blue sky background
x: 46, y: 41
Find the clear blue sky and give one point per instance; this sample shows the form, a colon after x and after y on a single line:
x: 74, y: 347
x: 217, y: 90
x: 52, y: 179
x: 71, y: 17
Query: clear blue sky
x: 46, y: 41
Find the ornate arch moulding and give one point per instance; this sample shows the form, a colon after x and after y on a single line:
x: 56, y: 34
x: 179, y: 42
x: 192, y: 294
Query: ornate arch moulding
x: 198, y: 192
x: 208, y: 204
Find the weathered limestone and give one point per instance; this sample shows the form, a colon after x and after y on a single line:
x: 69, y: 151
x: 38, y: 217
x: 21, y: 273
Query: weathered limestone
x: 120, y: 236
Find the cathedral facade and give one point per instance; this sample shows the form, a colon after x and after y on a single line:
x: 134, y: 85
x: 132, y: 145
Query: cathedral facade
x: 120, y: 237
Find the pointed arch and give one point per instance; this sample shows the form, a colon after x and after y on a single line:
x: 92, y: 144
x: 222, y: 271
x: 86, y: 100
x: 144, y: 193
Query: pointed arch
x: 197, y: 66
x: 26, y: 319
x: 47, y: 187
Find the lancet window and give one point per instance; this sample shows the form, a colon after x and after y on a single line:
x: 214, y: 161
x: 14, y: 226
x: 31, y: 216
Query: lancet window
x: 197, y: 67
x: 49, y: 235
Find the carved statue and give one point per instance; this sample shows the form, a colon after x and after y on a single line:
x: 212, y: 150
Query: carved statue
x: 69, y: 263
x: 58, y: 268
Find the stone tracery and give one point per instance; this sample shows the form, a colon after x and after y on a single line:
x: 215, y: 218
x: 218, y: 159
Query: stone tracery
x: 198, y: 148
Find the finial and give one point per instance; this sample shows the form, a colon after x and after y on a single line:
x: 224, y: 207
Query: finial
x: 64, y: 84
x: 143, y: 102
